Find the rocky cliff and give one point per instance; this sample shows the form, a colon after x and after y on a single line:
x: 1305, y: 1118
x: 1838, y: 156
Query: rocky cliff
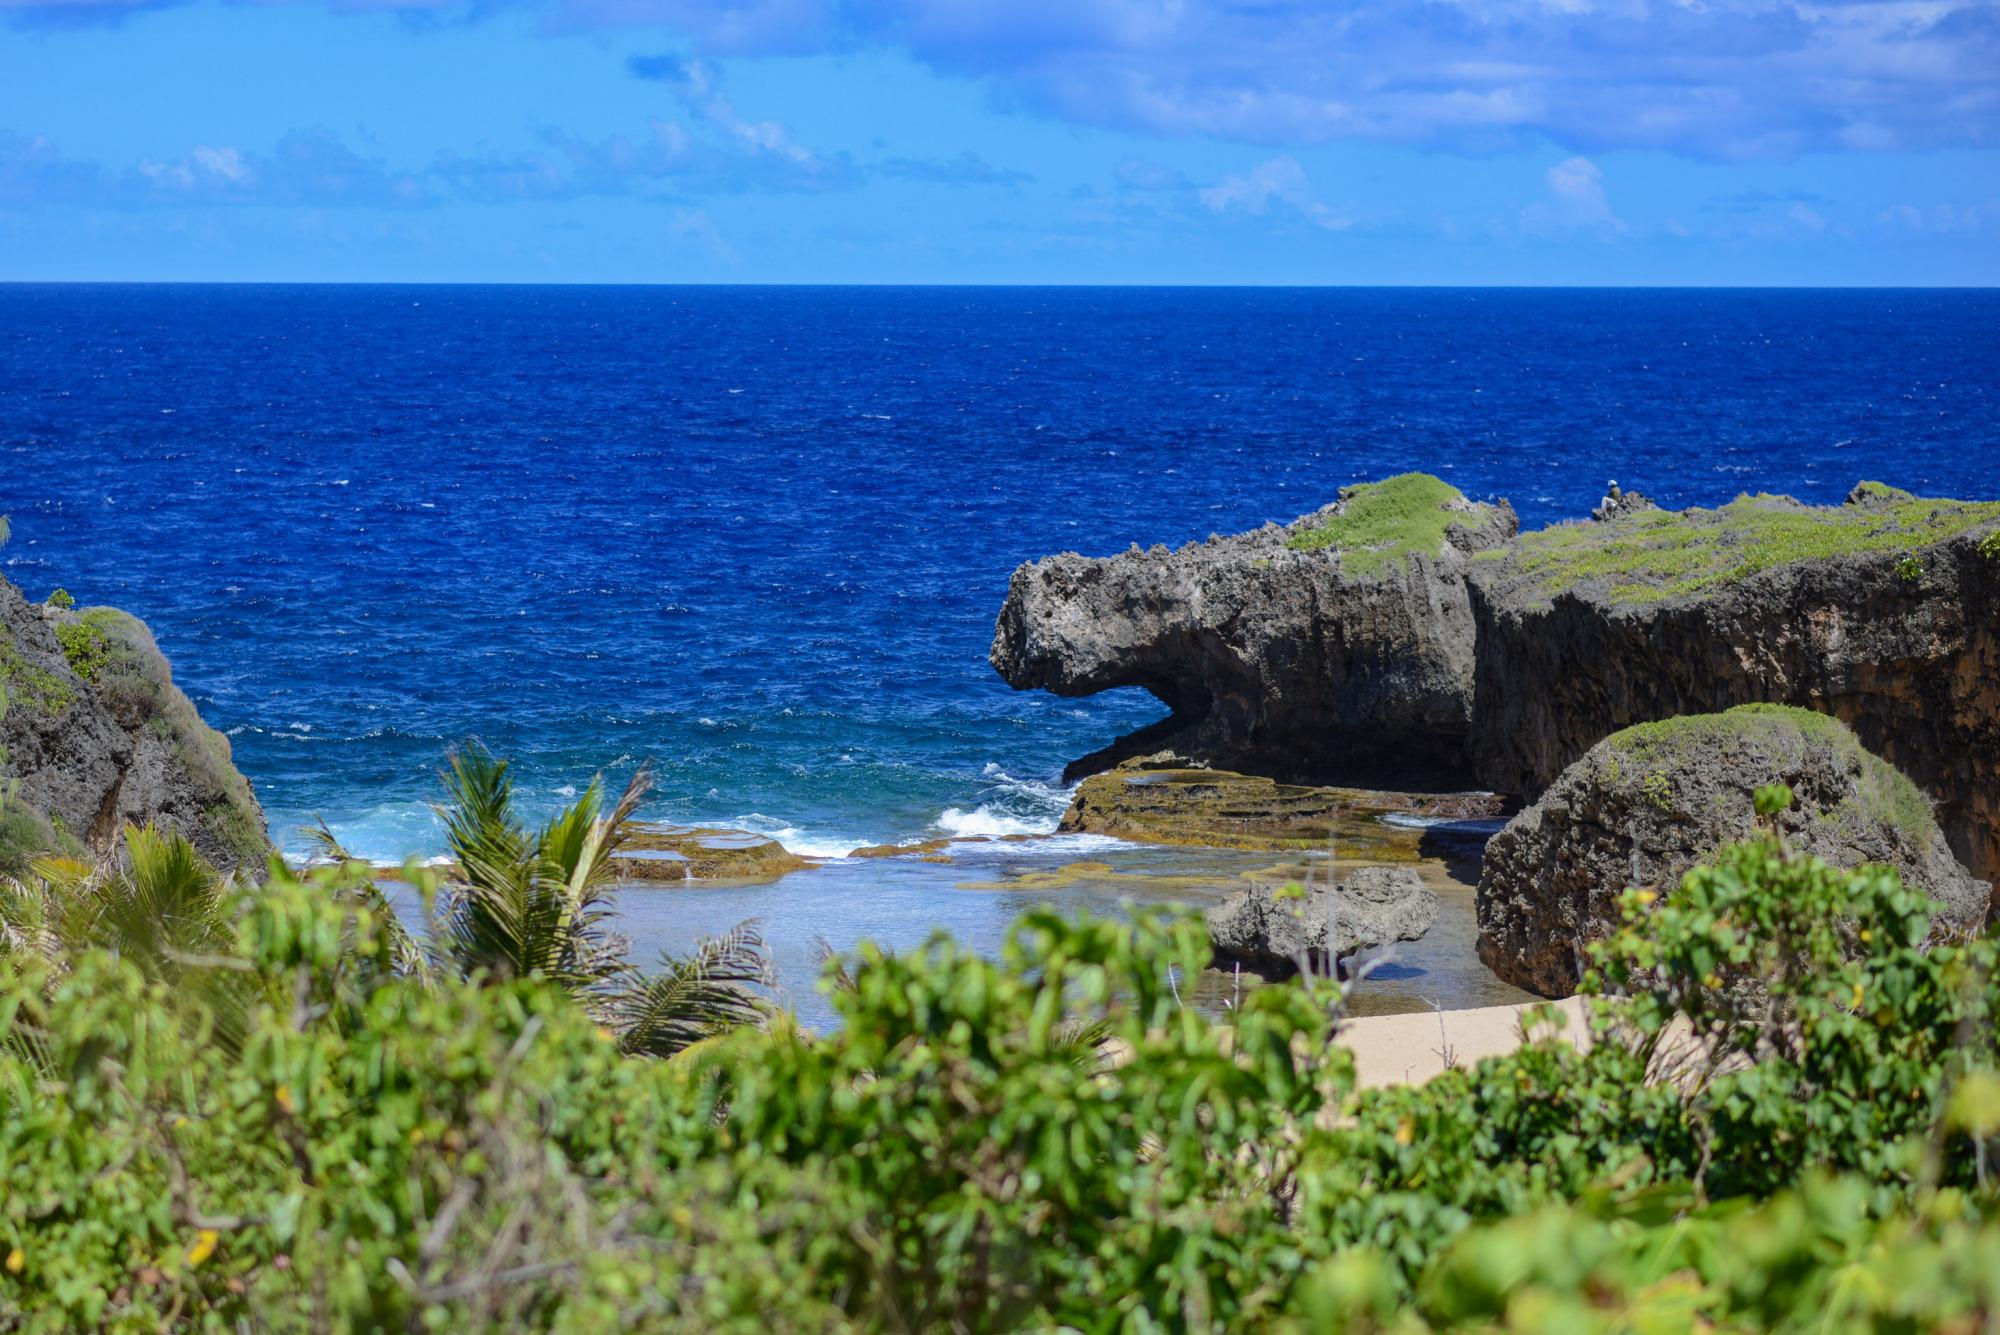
x: 1340, y: 644
x: 1405, y: 635
x: 1884, y: 612
x: 1648, y: 803
x: 94, y: 735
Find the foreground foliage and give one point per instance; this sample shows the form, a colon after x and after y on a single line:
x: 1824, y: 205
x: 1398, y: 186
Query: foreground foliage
x: 1785, y: 1118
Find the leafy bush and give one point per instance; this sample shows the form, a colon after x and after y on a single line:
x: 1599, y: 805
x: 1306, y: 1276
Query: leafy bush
x: 85, y: 644
x: 61, y: 600
x: 1786, y: 1112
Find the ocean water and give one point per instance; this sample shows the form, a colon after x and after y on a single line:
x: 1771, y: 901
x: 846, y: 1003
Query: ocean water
x: 758, y: 536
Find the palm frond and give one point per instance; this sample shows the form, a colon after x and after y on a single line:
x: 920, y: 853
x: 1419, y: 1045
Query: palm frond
x: 167, y: 904
x: 513, y: 912
x: 325, y: 842
x: 1086, y: 1043
x: 693, y: 997
x: 833, y: 966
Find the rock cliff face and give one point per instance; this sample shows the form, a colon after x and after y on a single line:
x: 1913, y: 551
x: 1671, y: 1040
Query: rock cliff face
x: 94, y: 735
x: 1407, y: 638
x: 1884, y: 613
x: 1340, y: 645
x: 1647, y: 803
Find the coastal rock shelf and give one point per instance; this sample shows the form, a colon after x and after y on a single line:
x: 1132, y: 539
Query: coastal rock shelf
x: 674, y: 854
x: 1223, y: 809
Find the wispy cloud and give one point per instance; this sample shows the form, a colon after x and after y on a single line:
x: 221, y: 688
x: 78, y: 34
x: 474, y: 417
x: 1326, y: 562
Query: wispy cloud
x: 1281, y: 182
x: 1727, y: 79
x: 700, y: 147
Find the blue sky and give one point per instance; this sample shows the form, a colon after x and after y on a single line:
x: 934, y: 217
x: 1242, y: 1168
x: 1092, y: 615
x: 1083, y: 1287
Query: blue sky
x: 1199, y: 141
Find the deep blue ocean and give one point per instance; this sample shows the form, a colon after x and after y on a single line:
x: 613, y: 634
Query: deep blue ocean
x: 759, y: 535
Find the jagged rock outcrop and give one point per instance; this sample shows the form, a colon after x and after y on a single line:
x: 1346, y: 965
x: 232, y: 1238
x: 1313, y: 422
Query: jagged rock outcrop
x: 1339, y: 645
x: 1649, y: 802
x: 1884, y: 612
x: 1267, y: 930
x: 94, y: 735
x: 1405, y: 638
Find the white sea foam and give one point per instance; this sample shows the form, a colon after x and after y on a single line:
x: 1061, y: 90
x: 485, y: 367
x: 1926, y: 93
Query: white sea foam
x: 385, y: 834
x: 816, y: 844
x: 1407, y: 821
x: 1014, y: 806
x: 984, y: 820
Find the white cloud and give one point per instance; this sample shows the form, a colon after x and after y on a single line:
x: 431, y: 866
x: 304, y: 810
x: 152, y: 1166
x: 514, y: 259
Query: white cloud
x: 1252, y: 192
x: 1577, y: 187
x: 1716, y: 78
x: 1280, y: 181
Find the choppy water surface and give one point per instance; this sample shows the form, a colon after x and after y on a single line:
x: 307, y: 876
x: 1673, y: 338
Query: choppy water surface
x: 759, y: 536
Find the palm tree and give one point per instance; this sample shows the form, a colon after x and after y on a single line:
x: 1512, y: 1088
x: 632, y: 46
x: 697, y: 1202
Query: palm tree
x: 161, y: 908
x: 533, y: 904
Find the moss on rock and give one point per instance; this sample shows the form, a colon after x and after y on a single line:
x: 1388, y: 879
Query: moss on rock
x: 1659, y: 751
x: 1380, y: 523
x: 1666, y: 553
x: 1647, y: 803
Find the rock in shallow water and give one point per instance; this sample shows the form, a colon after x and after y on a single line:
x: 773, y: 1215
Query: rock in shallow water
x: 1646, y: 804
x: 674, y: 854
x: 1268, y: 931
x: 1221, y: 809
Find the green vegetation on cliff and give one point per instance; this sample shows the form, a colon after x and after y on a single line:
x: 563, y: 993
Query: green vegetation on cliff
x: 86, y: 639
x: 25, y: 685
x: 1382, y: 523
x: 1883, y: 794
x: 1663, y: 553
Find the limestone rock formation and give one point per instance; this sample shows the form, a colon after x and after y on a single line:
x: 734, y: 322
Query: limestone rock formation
x: 1340, y: 645
x: 1884, y: 612
x: 94, y: 736
x: 1648, y: 803
x: 1268, y: 932
x: 1222, y: 809
x: 673, y: 854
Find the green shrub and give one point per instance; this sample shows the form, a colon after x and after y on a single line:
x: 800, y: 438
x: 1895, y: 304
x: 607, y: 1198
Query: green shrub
x: 1910, y: 568
x: 26, y: 684
x: 61, y: 600
x: 1787, y: 1114
x: 1989, y: 546
x: 85, y: 644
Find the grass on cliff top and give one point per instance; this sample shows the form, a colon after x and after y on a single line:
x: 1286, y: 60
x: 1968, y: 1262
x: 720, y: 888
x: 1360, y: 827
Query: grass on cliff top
x: 1663, y: 553
x: 1381, y: 523
x: 1884, y: 793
